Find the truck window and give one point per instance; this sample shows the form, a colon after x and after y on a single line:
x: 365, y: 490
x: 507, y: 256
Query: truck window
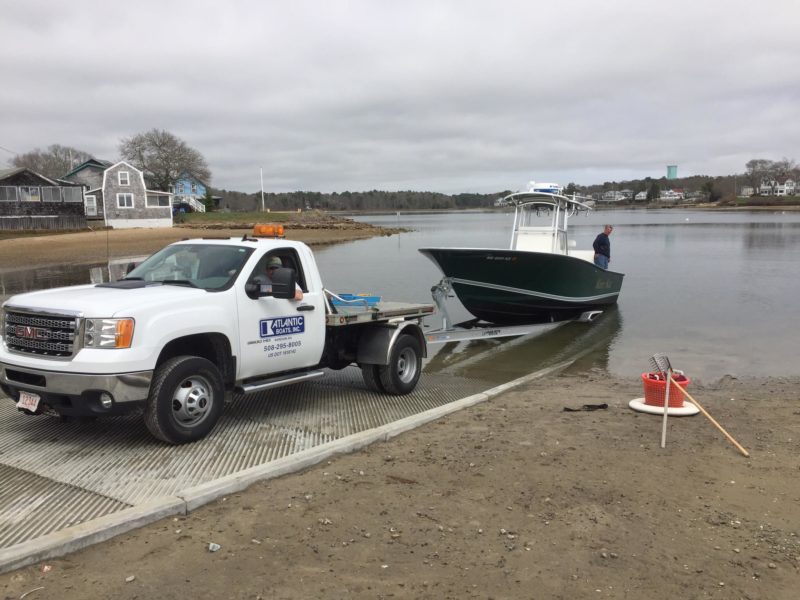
x: 207, y: 266
x: 289, y: 260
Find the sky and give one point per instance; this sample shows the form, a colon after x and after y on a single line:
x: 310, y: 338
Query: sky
x: 448, y: 96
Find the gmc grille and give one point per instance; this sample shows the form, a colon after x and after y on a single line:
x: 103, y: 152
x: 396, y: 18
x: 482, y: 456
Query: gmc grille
x: 40, y: 334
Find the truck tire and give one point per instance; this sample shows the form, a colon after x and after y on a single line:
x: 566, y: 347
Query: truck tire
x: 402, y: 373
x: 185, y: 401
x: 372, y: 377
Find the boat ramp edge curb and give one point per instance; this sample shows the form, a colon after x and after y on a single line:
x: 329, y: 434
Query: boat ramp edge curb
x: 103, y: 528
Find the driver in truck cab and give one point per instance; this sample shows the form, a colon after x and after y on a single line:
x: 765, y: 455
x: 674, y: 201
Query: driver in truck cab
x: 265, y: 279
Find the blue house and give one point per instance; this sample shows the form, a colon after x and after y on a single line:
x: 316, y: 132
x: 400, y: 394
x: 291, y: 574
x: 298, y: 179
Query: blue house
x: 189, y: 193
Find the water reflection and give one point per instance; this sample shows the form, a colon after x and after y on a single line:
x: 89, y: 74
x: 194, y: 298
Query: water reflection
x: 771, y: 236
x: 27, y: 280
x: 504, y: 359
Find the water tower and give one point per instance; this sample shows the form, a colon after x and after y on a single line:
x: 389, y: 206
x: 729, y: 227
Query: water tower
x: 672, y: 171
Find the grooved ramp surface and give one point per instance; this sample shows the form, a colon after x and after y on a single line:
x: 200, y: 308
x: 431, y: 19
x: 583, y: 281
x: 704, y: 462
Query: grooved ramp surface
x: 56, y: 474
x: 33, y: 505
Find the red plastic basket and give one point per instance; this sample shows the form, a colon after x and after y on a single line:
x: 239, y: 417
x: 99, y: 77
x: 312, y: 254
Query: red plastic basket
x: 655, y: 387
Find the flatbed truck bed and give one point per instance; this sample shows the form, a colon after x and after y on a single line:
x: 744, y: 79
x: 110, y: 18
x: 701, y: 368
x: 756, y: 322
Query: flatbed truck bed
x: 339, y: 316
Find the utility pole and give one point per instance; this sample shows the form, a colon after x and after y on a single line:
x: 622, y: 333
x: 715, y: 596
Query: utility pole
x: 262, y: 188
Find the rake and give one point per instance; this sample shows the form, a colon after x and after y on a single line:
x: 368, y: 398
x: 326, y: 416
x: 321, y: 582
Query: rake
x: 660, y: 363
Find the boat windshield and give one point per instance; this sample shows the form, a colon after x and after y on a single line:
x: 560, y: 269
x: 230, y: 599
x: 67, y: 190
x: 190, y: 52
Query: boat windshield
x: 210, y: 267
x: 540, y: 224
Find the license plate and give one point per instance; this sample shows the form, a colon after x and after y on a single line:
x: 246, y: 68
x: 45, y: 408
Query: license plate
x: 28, y: 401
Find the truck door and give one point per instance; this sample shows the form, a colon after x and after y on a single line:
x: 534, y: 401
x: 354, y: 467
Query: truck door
x: 275, y: 334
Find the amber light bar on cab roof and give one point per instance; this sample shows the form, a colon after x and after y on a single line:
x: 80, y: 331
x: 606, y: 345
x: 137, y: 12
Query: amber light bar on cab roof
x: 273, y: 230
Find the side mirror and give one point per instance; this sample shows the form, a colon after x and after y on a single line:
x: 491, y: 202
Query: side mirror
x: 284, y: 282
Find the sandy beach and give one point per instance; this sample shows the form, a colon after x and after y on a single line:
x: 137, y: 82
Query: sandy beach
x: 103, y: 244
x: 512, y: 498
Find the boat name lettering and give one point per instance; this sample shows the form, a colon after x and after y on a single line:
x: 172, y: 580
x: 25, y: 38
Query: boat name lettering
x: 491, y: 332
x: 282, y: 326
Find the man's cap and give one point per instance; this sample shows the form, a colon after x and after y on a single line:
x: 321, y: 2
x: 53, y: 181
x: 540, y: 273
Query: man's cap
x: 274, y: 261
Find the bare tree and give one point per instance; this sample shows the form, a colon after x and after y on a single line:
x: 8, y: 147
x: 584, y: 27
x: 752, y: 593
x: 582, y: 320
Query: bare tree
x: 55, y: 162
x: 163, y: 158
x: 762, y: 172
x: 758, y: 171
x: 783, y: 168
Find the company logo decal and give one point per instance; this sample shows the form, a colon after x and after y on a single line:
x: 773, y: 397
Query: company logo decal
x: 31, y: 333
x: 282, y: 326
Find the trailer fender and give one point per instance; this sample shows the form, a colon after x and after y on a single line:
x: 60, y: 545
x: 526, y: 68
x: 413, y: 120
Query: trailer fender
x: 376, y: 343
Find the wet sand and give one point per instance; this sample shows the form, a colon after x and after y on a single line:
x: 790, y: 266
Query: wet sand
x: 97, y: 246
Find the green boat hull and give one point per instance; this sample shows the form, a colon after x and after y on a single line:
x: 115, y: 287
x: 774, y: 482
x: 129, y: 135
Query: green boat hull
x: 512, y: 287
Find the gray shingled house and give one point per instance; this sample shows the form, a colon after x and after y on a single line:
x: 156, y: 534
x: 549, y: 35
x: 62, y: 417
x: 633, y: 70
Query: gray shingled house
x: 90, y: 174
x: 128, y: 203
x: 30, y: 201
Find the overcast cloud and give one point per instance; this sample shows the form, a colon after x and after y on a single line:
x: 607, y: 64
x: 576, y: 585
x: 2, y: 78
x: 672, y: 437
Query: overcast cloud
x: 449, y: 96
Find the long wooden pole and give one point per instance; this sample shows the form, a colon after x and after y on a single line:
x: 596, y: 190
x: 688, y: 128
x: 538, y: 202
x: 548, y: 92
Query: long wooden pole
x: 666, y: 411
x: 710, y: 418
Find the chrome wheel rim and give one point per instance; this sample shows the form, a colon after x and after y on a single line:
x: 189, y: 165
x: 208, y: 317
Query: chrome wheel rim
x: 192, y: 401
x: 407, y: 365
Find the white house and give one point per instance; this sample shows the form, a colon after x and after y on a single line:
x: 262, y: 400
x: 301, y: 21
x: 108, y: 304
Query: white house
x: 670, y: 196
x: 613, y: 196
x: 779, y: 187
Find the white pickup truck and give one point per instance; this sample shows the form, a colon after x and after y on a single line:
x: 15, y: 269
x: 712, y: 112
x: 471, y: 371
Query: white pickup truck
x: 189, y: 324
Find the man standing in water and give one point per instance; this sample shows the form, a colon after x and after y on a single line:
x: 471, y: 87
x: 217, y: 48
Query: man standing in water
x: 602, y: 247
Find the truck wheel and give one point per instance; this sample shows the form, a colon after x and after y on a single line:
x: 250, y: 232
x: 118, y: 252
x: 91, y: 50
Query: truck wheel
x: 185, y: 400
x: 372, y: 377
x: 402, y: 373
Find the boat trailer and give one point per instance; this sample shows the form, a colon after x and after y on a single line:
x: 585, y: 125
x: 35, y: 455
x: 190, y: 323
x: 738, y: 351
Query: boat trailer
x: 476, y: 329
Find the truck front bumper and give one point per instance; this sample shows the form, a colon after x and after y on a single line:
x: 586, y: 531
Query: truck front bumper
x: 78, y: 394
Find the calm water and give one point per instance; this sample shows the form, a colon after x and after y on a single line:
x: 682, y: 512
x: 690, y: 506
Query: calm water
x: 714, y: 291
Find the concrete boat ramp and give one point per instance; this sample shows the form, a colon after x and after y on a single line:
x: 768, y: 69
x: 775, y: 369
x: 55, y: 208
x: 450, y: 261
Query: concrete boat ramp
x: 66, y: 485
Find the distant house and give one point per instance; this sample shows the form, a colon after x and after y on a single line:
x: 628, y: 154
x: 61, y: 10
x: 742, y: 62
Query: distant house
x: 89, y: 174
x: 613, y: 196
x: 782, y: 186
x: 695, y: 196
x: 746, y: 191
x: 29, y: 200
x: 126, y: 202
x: 670, y: 195
x: 640, y: 197
x: 189, y: 193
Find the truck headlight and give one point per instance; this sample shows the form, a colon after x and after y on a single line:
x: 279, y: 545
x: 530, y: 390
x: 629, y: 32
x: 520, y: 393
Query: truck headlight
x: 108, y: 333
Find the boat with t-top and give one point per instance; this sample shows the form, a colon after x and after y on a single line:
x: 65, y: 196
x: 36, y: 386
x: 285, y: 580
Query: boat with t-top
x: 541, y: 277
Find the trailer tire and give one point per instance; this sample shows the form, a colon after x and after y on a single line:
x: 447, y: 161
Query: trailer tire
x: 185, y: 400
x: 372, y: 377
x: 402, y: 373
